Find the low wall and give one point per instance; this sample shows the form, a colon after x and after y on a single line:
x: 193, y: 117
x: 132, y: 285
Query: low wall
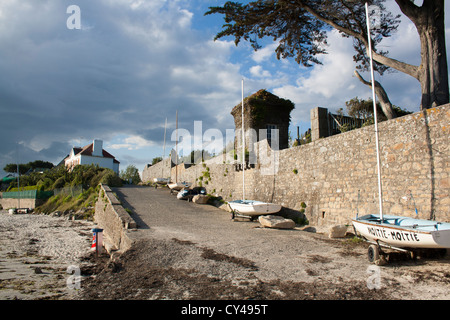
x: 8, y: 203
x: 113, y: 219
x: 29, y: 199
x: 336, y: 177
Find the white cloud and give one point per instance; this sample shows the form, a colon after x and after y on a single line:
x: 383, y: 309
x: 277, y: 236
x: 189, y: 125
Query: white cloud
x: 264, y: 53
x: 259, y: 72
x: 131, y: 143
x: 327, y: 85
x: 139, y: 62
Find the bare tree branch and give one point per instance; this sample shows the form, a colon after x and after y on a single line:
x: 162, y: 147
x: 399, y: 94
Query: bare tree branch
x: 383, y: 98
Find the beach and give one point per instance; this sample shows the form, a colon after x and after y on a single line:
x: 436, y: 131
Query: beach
x: 40, y: 254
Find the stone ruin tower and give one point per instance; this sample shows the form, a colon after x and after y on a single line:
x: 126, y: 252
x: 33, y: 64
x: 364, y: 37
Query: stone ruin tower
x: 263, y: 110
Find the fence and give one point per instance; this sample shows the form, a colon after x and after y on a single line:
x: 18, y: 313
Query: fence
x: 70, y: 191
x: 27, y: 194
x: 37, y: 194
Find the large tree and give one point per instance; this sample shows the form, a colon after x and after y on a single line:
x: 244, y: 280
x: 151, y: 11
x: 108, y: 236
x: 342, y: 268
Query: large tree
x: 300, y: 26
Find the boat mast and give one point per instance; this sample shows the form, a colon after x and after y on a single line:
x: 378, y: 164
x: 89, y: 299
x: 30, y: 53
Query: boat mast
x: 164, y: 151
x: 380, y: 194
x: 243, y: 144
x: 176, y: 149
x: 18, y: 179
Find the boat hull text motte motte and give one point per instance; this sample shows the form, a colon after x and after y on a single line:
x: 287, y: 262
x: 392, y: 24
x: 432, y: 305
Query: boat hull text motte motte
x: 253, y: 207
x: 404, y: 232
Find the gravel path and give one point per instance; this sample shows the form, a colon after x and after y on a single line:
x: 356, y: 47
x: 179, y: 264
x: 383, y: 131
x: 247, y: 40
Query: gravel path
x: 192, y: 251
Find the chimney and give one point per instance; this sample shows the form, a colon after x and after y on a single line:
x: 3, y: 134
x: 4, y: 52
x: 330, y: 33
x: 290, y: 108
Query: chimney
x: 97, y: 149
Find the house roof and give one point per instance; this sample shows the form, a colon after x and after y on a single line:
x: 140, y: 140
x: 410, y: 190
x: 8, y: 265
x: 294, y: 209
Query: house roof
x: 87, y: 151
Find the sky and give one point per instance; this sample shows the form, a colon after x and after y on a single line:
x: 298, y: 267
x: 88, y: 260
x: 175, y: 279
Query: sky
x: 132, y: 64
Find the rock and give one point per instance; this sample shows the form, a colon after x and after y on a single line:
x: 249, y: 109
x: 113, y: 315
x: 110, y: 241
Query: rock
x: 309, y: 229
x: 55, y: 214
x: 225, y: 206
x: 277, y: 222
x: 38, y: 270
x: 337, y: 231
x: 200, y: 199
x: 109, y: 247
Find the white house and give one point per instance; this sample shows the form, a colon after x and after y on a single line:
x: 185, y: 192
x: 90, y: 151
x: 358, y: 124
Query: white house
x: 92, y: 154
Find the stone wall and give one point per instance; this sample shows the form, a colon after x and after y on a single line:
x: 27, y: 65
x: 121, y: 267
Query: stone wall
x: 114, y: 220
x: 328, y: 174
x: 159, y: 170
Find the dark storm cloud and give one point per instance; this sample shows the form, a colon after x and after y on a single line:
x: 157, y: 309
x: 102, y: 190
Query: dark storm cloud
x: 131, y: 65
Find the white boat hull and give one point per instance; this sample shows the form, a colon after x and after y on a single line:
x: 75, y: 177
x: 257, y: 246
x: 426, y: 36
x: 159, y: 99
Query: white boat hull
x: 253, y: 208
x: 431, y: 235
x: 161, y: 180
x: 179, y: 185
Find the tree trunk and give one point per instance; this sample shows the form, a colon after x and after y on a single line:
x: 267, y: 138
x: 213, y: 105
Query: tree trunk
x: 385, y: 103
x: 433, y: 70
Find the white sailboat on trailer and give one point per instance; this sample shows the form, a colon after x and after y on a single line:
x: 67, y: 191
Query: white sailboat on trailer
x: 396, y: 232
x: 177, y: 186
x: 244, y: 207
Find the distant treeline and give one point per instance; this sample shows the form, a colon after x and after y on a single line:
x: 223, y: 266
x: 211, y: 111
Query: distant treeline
x: 30, y: 166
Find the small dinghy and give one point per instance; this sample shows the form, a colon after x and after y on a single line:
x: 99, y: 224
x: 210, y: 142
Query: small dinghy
x: 188, y: 194
x: 177, y: 186
x: 404, y: 232
x: 161, y: 180
x: 253, y: 207
x: 396, y: 232
x: 249, y: 208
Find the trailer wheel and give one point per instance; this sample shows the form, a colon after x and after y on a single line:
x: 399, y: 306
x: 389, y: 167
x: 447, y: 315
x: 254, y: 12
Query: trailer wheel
x: 374, y: 255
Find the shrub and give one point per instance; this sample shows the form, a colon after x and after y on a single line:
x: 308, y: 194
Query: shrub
x: 59, y: 183
x: 112, y: 180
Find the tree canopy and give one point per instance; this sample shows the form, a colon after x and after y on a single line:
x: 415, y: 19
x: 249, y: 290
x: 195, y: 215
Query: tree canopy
x: 23, y: 168
x: 300, y: 27
x: 131, y: 174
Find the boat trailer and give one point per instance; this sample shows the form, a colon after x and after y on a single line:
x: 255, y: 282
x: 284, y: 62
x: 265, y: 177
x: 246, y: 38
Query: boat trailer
x: 377, y: 256
x: 236, y: 214
x: 380, y: 257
